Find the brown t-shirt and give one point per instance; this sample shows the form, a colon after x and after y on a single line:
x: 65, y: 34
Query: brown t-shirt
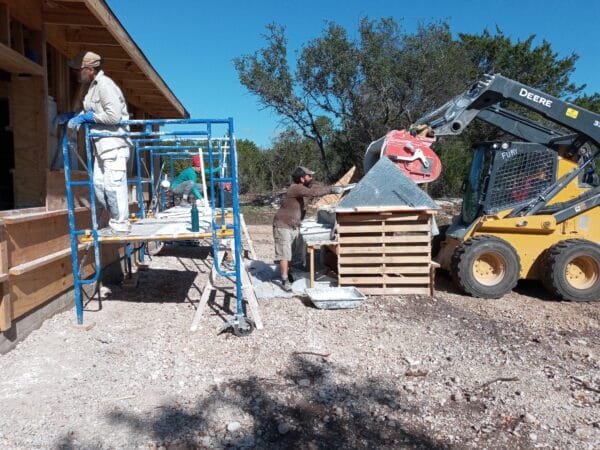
x: 292, y: 208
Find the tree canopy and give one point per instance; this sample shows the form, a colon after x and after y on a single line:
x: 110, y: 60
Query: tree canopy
x: 346, y: 90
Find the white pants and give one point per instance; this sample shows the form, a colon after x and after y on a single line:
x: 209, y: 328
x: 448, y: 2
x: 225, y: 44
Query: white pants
x: 110, y: 186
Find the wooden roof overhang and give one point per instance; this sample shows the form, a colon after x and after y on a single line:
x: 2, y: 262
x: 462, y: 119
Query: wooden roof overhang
x: 80, y: 25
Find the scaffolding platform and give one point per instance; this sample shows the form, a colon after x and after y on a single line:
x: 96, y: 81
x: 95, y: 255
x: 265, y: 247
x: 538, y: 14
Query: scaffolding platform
x: 220, y: 223
x: 171, y: 225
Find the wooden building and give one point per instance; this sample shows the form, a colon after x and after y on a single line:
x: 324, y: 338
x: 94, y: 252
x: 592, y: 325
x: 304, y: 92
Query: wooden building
x: 37, y: 38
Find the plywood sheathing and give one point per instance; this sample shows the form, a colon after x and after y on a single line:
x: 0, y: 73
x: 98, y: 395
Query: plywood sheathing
x: 29, y: 122
x: 35, y: 259
x: 56, y: 193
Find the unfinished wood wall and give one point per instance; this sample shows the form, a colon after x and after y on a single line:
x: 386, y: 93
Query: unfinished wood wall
x: 35, y: 257
x: 386, y: 253
x: 30, y: 132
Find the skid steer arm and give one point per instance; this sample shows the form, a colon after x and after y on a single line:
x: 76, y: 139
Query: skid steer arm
x: 482, y: 101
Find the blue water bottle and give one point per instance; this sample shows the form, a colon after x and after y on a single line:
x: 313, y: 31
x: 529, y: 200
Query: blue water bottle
x: 195, y: 219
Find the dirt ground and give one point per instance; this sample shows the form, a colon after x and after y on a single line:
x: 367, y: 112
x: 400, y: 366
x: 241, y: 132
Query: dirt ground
x: 398, y: 372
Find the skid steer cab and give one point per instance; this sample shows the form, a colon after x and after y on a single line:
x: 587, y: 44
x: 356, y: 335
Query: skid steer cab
x: 530, y: 205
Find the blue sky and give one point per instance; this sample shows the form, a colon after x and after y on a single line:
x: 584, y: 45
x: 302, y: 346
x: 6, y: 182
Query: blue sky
x: 192, y: 43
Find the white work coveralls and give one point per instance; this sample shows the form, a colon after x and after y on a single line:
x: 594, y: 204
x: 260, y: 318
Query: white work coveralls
x: 106, y: 101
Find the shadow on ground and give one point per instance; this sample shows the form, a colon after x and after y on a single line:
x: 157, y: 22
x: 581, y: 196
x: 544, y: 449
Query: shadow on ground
x: 157, y: 286
x: 302, y: 408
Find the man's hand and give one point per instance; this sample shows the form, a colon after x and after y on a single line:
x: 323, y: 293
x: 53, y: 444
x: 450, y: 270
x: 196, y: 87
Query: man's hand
x: 86, y: 117
x: 337, y: 189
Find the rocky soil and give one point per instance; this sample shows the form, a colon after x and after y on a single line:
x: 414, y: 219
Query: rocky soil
x: 399, y: 372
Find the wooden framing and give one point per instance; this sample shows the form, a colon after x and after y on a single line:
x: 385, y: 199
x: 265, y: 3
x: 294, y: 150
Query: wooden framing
x: 14, y: 62
x: 385, y: 253
x: 79, y: 25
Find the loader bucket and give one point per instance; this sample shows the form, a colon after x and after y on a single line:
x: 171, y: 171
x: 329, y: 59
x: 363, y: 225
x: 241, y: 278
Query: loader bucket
x: 412, y: 154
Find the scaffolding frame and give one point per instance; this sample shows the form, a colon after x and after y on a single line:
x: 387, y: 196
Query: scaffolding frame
x: 225, y: 223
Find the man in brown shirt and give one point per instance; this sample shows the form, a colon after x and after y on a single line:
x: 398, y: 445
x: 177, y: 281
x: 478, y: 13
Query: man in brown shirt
x: 286, y: 224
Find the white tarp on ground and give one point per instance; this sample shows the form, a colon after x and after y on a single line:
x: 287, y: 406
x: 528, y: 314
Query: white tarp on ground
x: 265, y: 278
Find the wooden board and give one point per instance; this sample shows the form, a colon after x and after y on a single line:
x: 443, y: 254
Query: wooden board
x: 378, y: 209
x: 383, y: 227
x: 5, y: 304
x: 14, y: 62
x: 36, y: 287
x: 348, y: 280
x: 56, y: 193
x: 381, y: 240
x: 41, y: 262
x: 40, y: 235
x: 343, y: 218
x: 387, y: 259
x: 28, y: 106
x: 369, y: 250
x: 385, y: 253
x: 387, y: 269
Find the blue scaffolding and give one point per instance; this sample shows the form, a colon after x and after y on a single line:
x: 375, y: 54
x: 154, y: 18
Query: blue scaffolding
x: 165, y: 140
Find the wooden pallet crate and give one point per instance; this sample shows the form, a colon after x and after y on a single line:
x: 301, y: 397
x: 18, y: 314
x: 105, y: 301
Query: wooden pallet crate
x: 385, y: 253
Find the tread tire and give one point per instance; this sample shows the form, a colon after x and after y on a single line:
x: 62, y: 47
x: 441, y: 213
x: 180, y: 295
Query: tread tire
x: 555, y: 264
x: 468, y: 252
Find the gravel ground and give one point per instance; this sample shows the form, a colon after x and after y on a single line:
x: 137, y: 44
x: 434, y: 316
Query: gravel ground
x: 443, y: 372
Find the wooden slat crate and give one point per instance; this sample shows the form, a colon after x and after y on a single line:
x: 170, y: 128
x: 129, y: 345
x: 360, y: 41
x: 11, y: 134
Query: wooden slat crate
x: 385, y: 253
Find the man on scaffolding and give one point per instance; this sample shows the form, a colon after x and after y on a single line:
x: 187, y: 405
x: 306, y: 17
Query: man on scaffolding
x: 104, y: 107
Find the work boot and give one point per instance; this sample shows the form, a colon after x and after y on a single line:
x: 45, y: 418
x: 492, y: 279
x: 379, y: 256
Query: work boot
x: 119, y: 228
x: 286, y: 285
x: 228, y: 266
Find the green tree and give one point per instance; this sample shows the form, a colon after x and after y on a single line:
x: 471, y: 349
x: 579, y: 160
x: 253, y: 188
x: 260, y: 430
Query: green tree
x: 589, y: 102
x: 266, y: 73
x: 253, y: 173
x: 292, y: 149
x: 346, y: 93
x: 537, y: 66
x: 366, y: 86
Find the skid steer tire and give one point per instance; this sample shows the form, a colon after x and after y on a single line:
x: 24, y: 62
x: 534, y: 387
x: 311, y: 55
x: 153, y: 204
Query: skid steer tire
x: 571, y: 270
x: 485, y: 267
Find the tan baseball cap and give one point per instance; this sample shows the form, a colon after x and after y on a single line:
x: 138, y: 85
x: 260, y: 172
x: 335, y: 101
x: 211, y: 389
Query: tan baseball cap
x: 306, y: 170
x: 85, y: 59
